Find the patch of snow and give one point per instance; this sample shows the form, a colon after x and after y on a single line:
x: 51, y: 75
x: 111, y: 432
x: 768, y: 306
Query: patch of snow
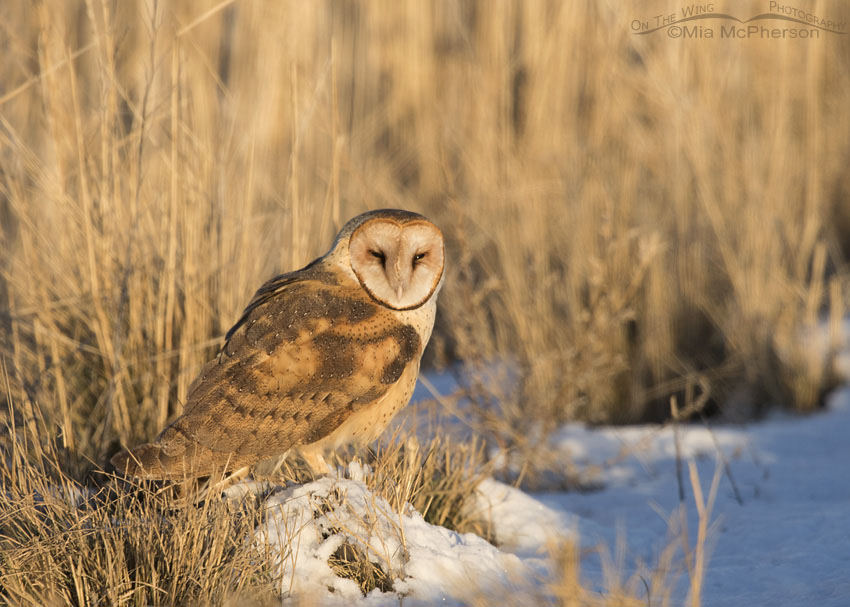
x: 306, y: 524
x: 519, y: 522
x: 787, y: 543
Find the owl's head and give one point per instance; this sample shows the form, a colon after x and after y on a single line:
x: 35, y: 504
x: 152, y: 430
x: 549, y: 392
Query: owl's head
x: 397, y: 256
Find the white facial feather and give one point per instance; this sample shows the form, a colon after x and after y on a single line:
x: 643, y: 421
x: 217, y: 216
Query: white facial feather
x: 399, y: 265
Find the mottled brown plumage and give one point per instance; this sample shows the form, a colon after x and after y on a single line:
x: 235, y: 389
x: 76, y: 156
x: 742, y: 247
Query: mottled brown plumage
x: 320, y: 357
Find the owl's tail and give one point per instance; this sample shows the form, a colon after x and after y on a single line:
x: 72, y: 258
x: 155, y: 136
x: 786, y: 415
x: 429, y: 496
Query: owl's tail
x: 143, y: 461
x: 155, y: 461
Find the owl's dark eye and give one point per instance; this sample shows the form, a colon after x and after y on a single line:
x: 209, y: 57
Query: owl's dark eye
x: 379, y: 255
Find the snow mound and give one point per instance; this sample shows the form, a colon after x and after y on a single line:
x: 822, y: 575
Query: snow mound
x: 306, y: 524
x: 519, y: 522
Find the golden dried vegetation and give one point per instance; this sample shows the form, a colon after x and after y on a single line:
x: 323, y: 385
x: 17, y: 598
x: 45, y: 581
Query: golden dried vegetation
x: 629, y: 218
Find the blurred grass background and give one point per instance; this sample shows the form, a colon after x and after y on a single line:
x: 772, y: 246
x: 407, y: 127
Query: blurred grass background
x: 629, y: 218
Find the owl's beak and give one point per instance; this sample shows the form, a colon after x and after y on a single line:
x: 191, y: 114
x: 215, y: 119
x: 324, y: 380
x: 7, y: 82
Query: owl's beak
x: 398, y: 279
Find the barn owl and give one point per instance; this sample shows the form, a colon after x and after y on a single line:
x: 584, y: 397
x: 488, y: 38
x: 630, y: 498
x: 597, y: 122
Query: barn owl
x: 321, y: 357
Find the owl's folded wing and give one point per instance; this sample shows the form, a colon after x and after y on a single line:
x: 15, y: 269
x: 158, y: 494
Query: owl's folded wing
x: 298, y: 364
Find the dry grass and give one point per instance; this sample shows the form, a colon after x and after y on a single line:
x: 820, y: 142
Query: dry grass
x: 665, y: 217
x: 435, y: 479
x: 628, y: 218
x: 65, y: 544
x: 121, y: 543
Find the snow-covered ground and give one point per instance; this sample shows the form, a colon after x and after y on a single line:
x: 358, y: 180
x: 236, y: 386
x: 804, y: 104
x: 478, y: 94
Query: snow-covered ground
x: 307, y: 524
x: 780, y: 532
x: 786, y: 543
